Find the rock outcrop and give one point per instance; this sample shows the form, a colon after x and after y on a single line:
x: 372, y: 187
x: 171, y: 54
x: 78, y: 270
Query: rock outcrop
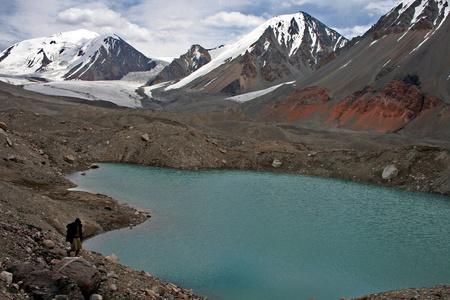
x: 194, y: 59
x: 386, y: 111
x: 82, y: 272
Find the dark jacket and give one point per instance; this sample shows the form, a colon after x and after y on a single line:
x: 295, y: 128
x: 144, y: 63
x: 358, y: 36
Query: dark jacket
x: 72, y: 230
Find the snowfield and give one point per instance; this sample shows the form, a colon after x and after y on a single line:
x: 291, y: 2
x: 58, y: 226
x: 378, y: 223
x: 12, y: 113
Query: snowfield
x: 120, y: 92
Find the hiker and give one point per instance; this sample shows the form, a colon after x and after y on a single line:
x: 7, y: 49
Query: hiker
x: 74, y: 236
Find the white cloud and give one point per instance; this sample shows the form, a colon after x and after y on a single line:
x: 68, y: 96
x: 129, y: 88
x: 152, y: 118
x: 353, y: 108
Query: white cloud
x: 91, y: 17
x: 380, y: 7
x: 298, y: 2
x: 170, y: 27
x: 351, y: 32
x: 104, y: 21
x: 233, y: 19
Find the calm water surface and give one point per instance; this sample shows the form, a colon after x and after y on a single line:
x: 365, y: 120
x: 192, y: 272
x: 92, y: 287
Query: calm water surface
x: 248, y: 235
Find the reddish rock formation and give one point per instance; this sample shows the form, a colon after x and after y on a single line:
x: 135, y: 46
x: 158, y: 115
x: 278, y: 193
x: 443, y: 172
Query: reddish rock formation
x: 299, y: 104
x: 390, y: 109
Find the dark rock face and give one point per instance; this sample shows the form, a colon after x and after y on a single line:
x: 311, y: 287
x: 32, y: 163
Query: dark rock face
x: 195, y: 58
x: 401, y: 18
x: 114, y: 59
x: 6, y: 53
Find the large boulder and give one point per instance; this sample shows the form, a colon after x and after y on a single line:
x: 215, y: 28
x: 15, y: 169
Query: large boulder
x: 82, y: 272
x: 43, y: 283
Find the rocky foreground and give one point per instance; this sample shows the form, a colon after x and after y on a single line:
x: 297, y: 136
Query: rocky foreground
x: 44, y: 138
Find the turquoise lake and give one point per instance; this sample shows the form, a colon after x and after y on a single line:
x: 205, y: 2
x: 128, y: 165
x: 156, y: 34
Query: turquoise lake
x: 249, y: 235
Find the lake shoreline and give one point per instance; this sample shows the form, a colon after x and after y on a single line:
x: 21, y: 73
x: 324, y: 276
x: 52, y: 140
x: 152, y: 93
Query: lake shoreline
x: 154, y: 179
x: 44, y: 138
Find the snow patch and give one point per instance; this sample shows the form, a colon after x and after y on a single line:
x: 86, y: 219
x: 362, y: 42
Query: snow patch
x: 253, y: 95
x: 403, y: 35
x: 148, y: 89
x: 373, y: 43
x: 345, y: 64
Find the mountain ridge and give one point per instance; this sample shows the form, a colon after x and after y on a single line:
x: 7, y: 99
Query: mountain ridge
x: 413, y: 55
x: 407, y: 45
x: 79, y: 54
x: 276, y: 53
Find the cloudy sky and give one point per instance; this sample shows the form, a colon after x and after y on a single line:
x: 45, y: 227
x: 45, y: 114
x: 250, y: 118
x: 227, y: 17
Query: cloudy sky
x: 167, y: 28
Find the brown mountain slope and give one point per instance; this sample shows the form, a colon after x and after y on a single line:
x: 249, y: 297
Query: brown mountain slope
x: 376, y: 61
x: 399, y: 106
x: 398, y: 80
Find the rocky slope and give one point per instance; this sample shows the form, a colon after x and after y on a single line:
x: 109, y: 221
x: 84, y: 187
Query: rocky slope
x: 398, y: 107
x: 42, y: 138
x: 186, y: 64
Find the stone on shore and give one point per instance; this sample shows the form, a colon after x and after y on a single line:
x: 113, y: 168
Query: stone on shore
x: 112, y: 258
x: 49, y: 244
x: 145, y: 137
x: 3, y: 126
x: 6, y: 277
x: 82, y: 272
x: 159, y: 290
x: 69, y: 158
x: 276, y: 163
x: 390, y: 172
x: 9, y: 142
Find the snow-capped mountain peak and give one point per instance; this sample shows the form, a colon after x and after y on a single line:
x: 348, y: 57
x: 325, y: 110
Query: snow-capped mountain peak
x: 434, y: 11
x: 73, y: 55
x: 292, y: 33
x: 53, y: 52
x: 412, y: 15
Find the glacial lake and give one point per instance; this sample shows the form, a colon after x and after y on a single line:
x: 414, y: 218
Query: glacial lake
x: 247, y: 235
